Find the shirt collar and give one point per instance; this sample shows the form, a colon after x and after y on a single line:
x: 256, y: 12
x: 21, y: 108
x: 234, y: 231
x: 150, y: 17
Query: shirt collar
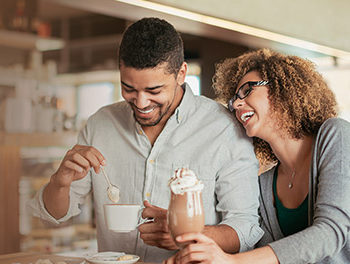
x: 187, y: 102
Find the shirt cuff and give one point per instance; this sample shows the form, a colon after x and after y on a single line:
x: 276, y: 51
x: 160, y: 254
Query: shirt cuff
x: 38, y: 208
x: 248, y: 234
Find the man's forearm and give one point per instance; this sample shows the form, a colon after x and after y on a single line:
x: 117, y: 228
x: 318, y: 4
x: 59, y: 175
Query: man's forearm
x: 225, y: 236
x: 56, y: 200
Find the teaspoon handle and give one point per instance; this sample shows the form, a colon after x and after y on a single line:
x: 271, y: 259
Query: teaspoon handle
x: 104, y: 174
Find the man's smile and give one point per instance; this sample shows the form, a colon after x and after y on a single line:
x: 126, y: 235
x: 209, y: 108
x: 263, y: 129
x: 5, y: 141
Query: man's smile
x: 146, y: 111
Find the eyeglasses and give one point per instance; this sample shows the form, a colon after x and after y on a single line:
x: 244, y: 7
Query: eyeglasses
x: 244, y: 91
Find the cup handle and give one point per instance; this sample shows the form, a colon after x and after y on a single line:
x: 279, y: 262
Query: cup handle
x: 143, y: 220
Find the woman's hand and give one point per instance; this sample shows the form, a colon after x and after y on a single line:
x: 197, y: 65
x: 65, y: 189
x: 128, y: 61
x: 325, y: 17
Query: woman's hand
x: 203, y: 250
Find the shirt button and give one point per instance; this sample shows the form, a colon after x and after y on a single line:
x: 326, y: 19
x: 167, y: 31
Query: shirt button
x: 151, y: 161
x: 140, y: 131
x: 148, y: 194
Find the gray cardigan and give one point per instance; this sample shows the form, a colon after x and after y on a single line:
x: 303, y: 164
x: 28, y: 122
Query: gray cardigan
x: 327, y: 238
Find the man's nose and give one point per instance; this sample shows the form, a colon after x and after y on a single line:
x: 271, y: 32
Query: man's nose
x: 141, y: 101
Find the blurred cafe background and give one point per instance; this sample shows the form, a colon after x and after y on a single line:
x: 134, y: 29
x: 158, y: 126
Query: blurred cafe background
x: 58, y: 65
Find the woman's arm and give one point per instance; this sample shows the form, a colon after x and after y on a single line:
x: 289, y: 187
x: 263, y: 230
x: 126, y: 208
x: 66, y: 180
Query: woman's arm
x: 263, y: 255
x: 205, y: 250
x: 330, y: 197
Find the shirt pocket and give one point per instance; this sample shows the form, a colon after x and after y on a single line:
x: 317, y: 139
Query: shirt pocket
x: 128, y: 176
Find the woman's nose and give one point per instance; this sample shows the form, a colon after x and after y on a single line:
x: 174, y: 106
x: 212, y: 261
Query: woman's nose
x: 238, y: 103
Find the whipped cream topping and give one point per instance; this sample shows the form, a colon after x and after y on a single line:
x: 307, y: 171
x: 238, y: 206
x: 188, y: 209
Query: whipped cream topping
x: 185, y: 180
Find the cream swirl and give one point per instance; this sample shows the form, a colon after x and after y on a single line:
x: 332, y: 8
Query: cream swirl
x: 185, y: 180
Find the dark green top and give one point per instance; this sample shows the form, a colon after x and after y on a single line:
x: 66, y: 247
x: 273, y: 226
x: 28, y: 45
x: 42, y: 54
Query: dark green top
x: 290, y: 220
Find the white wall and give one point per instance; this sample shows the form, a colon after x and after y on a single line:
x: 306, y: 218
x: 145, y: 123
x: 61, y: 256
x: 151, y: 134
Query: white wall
x: 338, y: 78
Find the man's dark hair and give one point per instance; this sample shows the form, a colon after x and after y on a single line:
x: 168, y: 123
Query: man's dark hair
x: 150, y: 42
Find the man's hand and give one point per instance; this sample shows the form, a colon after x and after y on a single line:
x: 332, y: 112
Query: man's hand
x: 156, y: 233
x: 76, y: 164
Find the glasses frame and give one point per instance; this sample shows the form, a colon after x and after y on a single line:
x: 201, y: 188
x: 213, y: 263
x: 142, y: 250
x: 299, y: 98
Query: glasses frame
x: 251, y: 84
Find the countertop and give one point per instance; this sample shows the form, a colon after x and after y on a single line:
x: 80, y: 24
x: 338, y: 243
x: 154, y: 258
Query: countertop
x: 27, y: 258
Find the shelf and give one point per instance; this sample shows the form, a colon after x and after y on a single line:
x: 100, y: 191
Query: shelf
x: 66, y: 139
x: 28, y: 41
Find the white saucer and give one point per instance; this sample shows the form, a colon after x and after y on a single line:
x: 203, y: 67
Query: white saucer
x: 110, y: 258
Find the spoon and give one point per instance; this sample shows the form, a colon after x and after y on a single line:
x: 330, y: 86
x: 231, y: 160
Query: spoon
x: 112, y: 190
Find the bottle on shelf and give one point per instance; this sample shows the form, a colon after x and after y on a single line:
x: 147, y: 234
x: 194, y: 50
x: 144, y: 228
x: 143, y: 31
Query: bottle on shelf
x: 20, y: 21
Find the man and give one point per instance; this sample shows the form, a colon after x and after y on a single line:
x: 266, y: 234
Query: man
x: 160, y: 127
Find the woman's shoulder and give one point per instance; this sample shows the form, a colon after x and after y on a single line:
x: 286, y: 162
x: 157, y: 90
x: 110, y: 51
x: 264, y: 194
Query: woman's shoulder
x: 333, y: 140
x: 333, y: 131
x: 335, y: 124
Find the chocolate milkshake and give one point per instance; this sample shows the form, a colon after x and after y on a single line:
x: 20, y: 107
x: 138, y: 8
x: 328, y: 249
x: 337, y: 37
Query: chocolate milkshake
x: 185, y: 212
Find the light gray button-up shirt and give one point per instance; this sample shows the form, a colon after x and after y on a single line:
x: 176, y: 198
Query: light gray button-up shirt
x: 201, y: 135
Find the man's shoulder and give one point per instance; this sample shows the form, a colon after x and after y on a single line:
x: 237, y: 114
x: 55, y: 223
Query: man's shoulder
x: 215, y: 117
x: 212, y: 107
x: 116, y: 111
x: 115, y: 108
x: 207, y: 102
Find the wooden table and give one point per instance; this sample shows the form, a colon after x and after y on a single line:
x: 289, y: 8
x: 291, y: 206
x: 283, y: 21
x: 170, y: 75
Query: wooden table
x: 27, y: 258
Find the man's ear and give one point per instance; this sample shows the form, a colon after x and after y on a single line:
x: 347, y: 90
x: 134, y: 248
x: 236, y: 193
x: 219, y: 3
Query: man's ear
x: 181, y: 75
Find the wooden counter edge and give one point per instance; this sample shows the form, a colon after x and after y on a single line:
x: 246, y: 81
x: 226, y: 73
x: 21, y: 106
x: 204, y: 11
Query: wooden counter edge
x: 16, y: 257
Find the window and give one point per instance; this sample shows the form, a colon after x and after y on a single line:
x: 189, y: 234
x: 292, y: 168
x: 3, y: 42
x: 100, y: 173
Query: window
x: 92, y: 97
x: 194, y: 82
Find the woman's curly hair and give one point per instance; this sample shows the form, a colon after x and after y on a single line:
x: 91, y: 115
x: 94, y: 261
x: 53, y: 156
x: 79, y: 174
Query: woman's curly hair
x: 300, y: 99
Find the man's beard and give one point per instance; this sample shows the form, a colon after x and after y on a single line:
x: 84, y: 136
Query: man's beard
x: 160, y: 116
x: 145, y: 122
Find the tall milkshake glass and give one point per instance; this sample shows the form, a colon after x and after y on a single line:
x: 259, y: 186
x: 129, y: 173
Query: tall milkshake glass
x: 185, y: 212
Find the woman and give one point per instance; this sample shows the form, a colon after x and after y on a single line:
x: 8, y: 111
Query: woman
x: 289, y: 111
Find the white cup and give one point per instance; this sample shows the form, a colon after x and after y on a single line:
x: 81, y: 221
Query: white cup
x: 122, y: 217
